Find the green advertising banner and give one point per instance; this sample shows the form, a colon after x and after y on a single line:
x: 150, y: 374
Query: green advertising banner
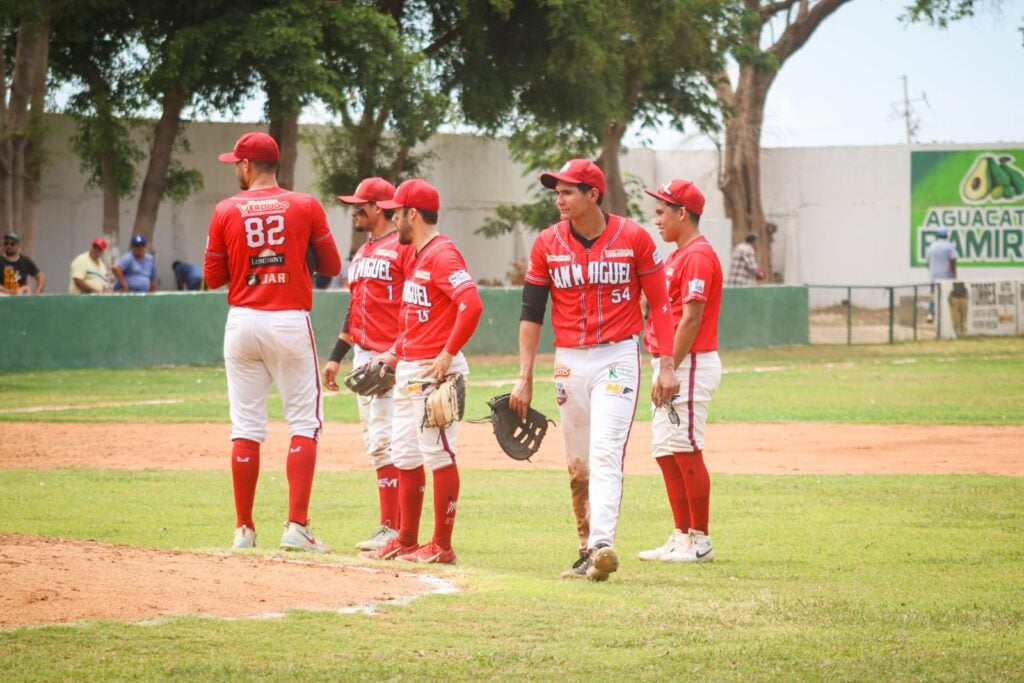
x: 978, y: 196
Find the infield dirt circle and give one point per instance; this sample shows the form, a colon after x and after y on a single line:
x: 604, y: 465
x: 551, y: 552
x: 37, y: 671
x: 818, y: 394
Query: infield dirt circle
x: 50, y: 580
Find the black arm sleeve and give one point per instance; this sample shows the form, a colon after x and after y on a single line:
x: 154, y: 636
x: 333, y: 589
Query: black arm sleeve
x: 535, y: 302
x: 348, y: 317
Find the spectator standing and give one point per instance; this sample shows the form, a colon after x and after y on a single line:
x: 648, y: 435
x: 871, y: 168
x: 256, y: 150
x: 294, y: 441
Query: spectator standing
x: 18, y: 268
x: 941, y: 256
x: 744, y: 271
x: 136, y: 270
x: 89, y: 274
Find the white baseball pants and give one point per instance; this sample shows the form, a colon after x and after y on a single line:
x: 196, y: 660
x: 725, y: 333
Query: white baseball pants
x: 411, y: 445
x: 264, y: 347
x: 699, y: 376
x: 375, y: 414
x: 597, y: 398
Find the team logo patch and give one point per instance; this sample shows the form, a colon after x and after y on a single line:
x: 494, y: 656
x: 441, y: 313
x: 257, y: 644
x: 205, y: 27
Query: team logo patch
x: 696, y: 286
x: 621, y: 372
x: 614, y: 253
x: 561, y: 395
x: 657, y: 257
x: 616, y: 389
x: 267, y: 257
x: 260, y: 206
x: 415, y: 388
x: 562, y: 371
x: 254, y: 279
x: 459, y: 277
x: 559, y: 258
x: 422, y: 274
x: 389, y: 253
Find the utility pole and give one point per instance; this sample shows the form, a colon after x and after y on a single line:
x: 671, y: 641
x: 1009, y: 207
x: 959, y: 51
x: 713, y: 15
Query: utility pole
x: 906, y: 112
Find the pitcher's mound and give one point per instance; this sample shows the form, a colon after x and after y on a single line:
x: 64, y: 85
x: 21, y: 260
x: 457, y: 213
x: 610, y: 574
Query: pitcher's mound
x: 54, y: 580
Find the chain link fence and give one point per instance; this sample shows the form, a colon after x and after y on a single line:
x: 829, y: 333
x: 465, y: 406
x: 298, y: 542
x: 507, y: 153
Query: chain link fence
x: 840, y: 314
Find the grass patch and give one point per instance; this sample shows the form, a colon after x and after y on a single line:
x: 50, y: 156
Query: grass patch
x: 818, y: 577
x: 977, y: 381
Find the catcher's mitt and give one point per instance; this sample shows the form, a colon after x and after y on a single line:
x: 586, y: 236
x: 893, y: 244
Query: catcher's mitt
x: 371, y: 379
x: 447, y: 403
x: 518, y: 439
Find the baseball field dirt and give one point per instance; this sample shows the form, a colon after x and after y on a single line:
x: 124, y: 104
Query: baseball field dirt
x: 50, y: 580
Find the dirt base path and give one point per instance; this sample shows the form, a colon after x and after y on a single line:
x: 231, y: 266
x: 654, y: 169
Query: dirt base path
x: 50, y: 580
x: 53, y: 580
x: 791, y: 448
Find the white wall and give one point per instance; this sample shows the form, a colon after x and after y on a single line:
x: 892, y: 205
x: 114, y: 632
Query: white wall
x: 843, y: 212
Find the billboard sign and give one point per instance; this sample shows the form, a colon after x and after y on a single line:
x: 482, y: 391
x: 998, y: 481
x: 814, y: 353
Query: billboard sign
x: 978, y: 196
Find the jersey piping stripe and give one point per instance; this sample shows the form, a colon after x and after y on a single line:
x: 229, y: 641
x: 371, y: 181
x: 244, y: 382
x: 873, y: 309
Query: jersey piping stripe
x: 689, y: 401
x: 600, y: 287
x: 316, y: 373
x: 632, y: 420
x: 447, y: 448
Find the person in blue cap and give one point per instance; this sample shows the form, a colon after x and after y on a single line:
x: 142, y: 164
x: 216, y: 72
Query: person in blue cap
x: 941, y: 257
x: 136, y: 270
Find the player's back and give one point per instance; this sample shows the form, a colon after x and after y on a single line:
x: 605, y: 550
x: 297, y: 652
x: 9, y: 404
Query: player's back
x: 264, y: 235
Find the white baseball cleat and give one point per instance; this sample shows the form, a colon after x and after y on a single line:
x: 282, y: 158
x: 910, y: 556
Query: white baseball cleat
x: 298, y: 537
x: 676, y: 540
x: 245, y: 538
x: 380, y: 538
x: 699, y: 549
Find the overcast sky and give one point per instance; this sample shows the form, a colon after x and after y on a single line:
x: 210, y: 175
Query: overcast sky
x: 845, y: 85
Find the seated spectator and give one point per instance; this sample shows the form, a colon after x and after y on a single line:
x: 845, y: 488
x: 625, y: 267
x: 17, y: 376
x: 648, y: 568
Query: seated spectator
x: 18, y: 268
x: 188, y: 276
x: 89, y: 274
x: 136, y: 270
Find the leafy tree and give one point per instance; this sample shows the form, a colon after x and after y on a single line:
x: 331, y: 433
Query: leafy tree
x: 383, y: 87
x: 941, y: 13
x: 568, y: 78
x: 92, y: 49
x: 788, y: 25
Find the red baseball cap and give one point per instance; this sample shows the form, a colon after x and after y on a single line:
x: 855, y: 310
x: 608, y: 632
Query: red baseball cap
x: 100, y: 243
x: 416, y: 193
x: 680, y: 193
x: 576, y: 171
x: 253, y: 147
x: 370, y: 190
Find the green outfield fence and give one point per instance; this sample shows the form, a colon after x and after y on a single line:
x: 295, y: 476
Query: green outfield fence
x: 187, y: 328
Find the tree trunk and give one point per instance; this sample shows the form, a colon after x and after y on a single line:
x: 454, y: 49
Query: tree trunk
x: 285, y: 129
x: 159, y: 161
x: 740, y: 175
x: 615, y: 200
x: 34, y: 148
x: 15, y: 122
x: 111, y: 200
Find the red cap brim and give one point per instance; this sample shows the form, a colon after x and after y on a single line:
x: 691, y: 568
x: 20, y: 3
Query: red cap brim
x: 663, y: 197
x: 228, y: 158
x: 549, y: 180
x: 352, y: 199
x: 388, y: 204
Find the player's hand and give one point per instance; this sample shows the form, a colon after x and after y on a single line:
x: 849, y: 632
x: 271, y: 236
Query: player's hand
x: 438, y: 367
x: 331, y: 375
x: 520, y: 398
x: 667, y: 384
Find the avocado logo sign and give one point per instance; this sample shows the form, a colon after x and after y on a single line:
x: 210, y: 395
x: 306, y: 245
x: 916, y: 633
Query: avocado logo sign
x: 993, y: 179
x: 977, y: 196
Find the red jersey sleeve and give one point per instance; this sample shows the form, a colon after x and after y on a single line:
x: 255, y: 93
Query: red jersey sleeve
x: 648, y: 260
x: 215, y: 261
x: 327, y: 256
x: 449, y: 273
x: 695, y: 281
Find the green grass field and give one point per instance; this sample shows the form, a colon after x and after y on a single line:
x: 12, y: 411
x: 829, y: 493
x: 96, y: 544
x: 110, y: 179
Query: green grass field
x: 818, y: 577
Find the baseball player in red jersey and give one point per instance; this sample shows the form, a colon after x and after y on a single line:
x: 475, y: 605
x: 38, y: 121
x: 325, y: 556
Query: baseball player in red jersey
x: 257, y: 244
x: 440, y: 311
x: 594, y: 266
x: 694, y: 276
x: 375, y: 280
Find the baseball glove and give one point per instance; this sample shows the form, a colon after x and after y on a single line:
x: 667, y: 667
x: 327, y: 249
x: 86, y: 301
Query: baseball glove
x: 371, y: 379
x: 447, y: 403
x: 520, y: 440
